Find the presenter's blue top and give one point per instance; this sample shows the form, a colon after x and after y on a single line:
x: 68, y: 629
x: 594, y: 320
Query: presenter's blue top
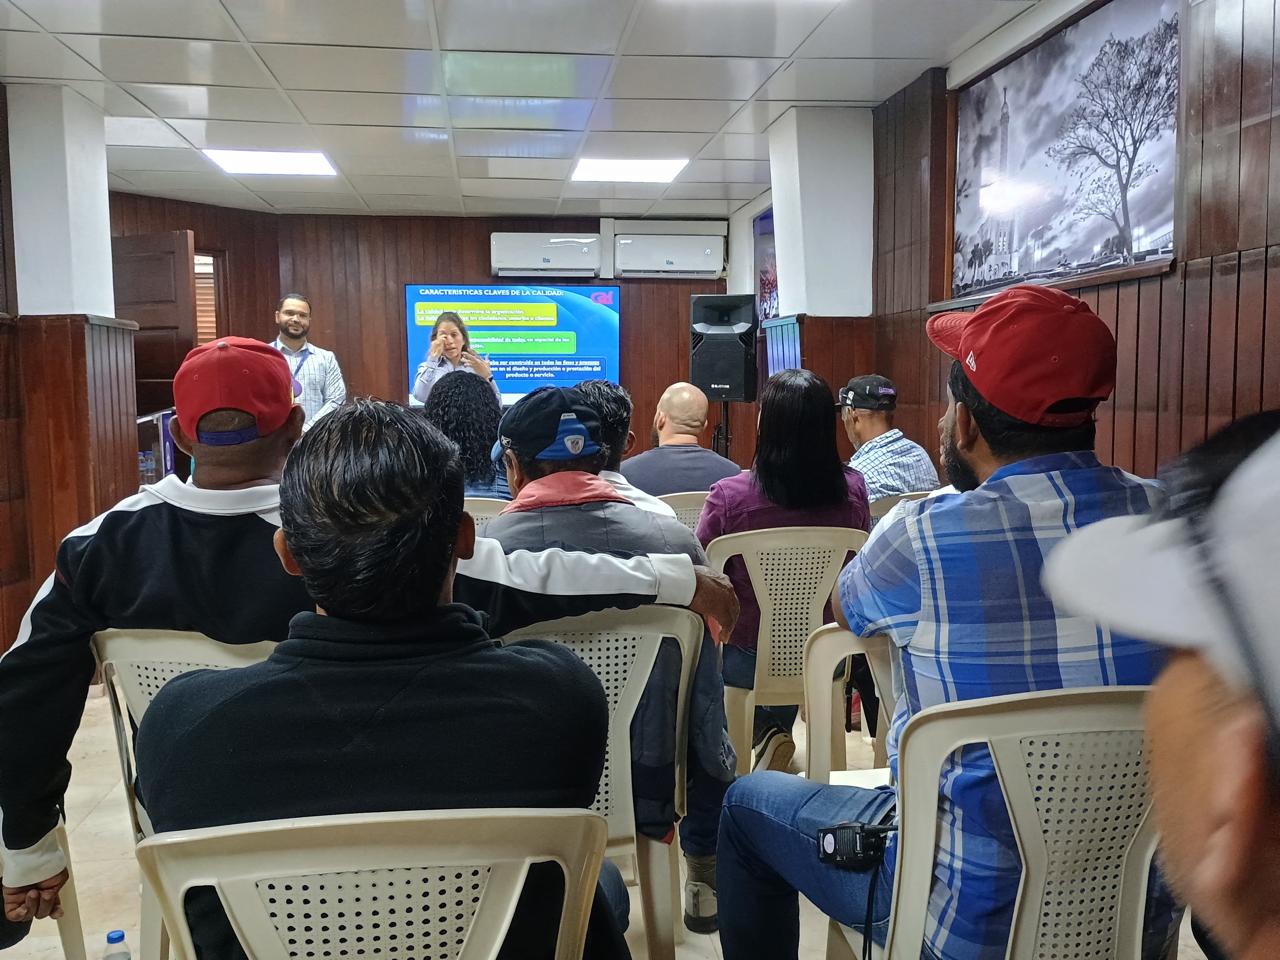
x: 430, y: 371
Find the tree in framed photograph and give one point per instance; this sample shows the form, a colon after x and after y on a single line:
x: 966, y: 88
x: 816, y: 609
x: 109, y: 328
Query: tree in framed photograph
x: 1065, y: 156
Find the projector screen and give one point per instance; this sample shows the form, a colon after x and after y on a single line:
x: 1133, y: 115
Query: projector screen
x: 532, y: 335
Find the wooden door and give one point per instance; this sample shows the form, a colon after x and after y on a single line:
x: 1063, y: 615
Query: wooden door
x: 156, y: 289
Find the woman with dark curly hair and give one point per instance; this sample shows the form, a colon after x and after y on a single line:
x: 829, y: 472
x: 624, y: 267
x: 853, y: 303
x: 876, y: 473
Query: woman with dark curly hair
x: 465, y: 410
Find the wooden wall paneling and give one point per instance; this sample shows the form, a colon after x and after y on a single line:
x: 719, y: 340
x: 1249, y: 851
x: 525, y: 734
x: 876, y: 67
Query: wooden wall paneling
x: 1146, y: 369
x: 1195, y: 352
x: 1106, y: 306
x: 1271, y: 334
x: 1223, y: 304
x: 1188, y: 215
x: 1124, y: 403
x: 1249, y: 333
x: 1255, y: 121
x: 1220, y: 198
x: 1169, y: 376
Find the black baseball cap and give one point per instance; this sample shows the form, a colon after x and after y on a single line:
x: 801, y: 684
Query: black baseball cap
x: 870, y: 392
x: 552, y: 423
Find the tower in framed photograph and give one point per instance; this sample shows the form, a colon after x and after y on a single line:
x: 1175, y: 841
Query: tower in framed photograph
x: 1065, y: 156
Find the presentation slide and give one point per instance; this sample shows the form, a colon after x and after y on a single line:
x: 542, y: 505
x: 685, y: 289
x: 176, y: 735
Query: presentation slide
x: 532, y: 335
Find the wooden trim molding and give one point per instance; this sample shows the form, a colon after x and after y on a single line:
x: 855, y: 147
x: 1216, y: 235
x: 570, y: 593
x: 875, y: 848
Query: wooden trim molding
x: 1137, y: 271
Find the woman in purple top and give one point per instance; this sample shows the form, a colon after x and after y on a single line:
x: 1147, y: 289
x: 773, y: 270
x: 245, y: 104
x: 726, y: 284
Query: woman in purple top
x: 797, y: 480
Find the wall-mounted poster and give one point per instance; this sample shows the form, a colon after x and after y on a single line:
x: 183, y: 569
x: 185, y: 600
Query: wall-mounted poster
x: 766, y: 257
x: 1065, y: 157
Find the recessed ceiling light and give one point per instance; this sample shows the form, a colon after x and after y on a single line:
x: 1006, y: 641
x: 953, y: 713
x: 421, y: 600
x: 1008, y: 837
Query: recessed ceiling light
x: 629, y: 171
x: 279, y: 162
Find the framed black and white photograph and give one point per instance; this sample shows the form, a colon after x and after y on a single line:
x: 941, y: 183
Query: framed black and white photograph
x: 1065, y: 157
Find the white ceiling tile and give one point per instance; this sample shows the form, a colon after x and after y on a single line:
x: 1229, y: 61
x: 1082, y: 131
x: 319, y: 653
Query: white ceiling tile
x: 110, y: 98
x: 407, y: 186
x: 214, y: 103
x: 244, y: 135
x: 514, y: 206
x: 520, y: 113
x: 591, y: 190
x: 380, y: 109
x: 159, y: 158
x: 874, y: 80
x: 349, y: 140
x: 611, y: 144
x: 294, y: 201
x: 556, y: 26
x: 758, y: 115
x: 701, y: 29
x: 117, y: 182
x: 197, y: 19
x: 693, y: 208
x: 140, y: 132
x: 694, y: 116
x: 604, y: 208
x: 725, y: 171
x: 737, y: 146
x: 156, y: 60
x: 689, y: 78
x: 532, y: 189
x: 399, y: 203
x: 409, y: 161
x: 539, y: 144
x: 514, y: 167
x: 893, y: 28
x: 260, y: 183
x: 375, y: 24
x: 523, y: 74
x: 40, y: 56
x: 300, y: 67
x: 11, y: 18
x: 180, y: 180
x: 715, y: 191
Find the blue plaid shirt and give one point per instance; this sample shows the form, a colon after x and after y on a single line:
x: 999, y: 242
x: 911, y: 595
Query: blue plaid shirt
x: 954, y: 580
x: 892, y: 465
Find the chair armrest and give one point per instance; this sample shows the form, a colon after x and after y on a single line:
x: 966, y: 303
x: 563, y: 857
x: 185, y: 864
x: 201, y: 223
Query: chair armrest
x: 823, y: 651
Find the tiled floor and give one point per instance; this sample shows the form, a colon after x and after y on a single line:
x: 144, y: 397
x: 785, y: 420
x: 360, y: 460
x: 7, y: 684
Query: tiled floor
x: 107, y: 875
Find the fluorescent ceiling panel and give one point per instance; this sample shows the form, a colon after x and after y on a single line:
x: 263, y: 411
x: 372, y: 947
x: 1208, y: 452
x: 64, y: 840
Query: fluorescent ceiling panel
x: 292, y: 163
x: 629, y: 171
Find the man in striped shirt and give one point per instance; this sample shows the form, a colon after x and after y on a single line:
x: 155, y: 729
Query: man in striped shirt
x: 315, y: 371
x: 954, y: 580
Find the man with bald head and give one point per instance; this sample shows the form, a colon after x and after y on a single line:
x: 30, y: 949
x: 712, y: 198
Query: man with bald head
x: 677, y: 463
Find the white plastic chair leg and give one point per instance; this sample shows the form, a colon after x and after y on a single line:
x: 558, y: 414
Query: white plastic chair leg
x: 739, y: 708
x: 838, y: 757
x: 154, y: 938
x: 70, y: 930
x: 659, y: 896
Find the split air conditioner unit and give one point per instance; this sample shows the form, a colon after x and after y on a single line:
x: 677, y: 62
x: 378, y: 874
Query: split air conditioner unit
x: 692, y: 256
x: 545, y: 254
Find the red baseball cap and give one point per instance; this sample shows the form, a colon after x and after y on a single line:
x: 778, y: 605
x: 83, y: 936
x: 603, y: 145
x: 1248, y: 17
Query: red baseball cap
x: 233, y: 373
x: 1029, y: 348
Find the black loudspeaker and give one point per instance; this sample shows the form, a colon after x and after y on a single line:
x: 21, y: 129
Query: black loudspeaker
x: 722, y: 346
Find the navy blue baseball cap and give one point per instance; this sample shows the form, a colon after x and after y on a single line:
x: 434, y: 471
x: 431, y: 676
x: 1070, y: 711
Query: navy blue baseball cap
x: 552, y: 423
x: 869, y: 392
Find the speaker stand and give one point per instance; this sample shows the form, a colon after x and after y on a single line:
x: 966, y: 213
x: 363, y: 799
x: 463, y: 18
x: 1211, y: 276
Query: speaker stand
x: 721, y: 438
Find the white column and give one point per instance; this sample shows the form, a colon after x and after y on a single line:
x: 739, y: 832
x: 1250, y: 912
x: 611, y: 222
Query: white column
x: 741, y: 276
x: 821, y: 169
x: 61, y: 218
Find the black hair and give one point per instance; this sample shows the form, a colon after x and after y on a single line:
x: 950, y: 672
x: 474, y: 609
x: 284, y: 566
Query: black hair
x: 537, y: 469
x: 450, y: 317
x: 612, y: 405
x: 1009, y: 437
x: 370, y: 503
x: 1192, y: 480
x: 797, y: 463
x: 293, y: 296
x: 463, y: 407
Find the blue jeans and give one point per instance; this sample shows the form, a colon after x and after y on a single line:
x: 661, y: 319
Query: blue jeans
x: 769, y: 851
x: 739, y: 667
x: 614, y: 890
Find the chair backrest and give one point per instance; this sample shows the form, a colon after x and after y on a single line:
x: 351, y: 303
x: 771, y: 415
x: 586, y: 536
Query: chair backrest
x: 484, y: 508
x: 137, y: 663
x: 827, y: 647
x: 620, y: 647
x: 1073, y: 770
x: 439, y: 884
x: 793, y: 571
x: 882, y: 506
x: 688, y: 506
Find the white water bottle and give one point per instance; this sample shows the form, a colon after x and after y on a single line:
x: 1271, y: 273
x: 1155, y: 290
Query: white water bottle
x: 117, y: 949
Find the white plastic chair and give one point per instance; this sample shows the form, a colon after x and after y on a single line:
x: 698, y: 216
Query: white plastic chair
x: 1072, y: 767
x: 70, y: 929
x: 441, y: 883
x: 621, y: 646
x: 135, y: 665
x: 828, y: 647
x: 484, y: 508
x: 688, y: 506
x: 793, y: 571
x: 882, y: 506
